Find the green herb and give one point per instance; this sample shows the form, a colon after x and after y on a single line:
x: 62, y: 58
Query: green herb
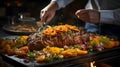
x: 48, y: 59
x: 60, y: 57
x: 69, y: 32
x: 93, y: 42
x: 105, y: 41
x: 31, y: 55
x: 77, y: 46
x: 75, y: 26
x: 90, y: 48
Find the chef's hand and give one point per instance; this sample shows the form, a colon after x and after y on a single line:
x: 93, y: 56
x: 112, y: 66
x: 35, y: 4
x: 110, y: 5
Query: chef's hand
x: 88, y: 15
x: 47, y: 15
x: 48, y: 12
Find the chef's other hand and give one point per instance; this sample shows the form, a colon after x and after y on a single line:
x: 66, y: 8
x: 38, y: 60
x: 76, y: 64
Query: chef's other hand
x: 48, y: 12
x: 88, y: 15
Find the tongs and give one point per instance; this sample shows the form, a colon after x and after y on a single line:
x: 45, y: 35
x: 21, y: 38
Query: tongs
x: 44, y: 26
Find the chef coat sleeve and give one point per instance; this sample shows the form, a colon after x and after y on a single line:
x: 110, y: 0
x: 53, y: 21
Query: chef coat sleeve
x: 63, y: 3
x: 110, y: 16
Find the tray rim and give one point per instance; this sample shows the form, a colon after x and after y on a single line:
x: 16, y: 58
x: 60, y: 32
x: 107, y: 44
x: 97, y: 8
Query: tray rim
x: 15, y: 32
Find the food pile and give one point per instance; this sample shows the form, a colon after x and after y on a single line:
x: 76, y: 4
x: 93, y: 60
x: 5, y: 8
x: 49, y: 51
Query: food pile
x: 56, y: 43
x: 9, y: 46
x: 56, y: 36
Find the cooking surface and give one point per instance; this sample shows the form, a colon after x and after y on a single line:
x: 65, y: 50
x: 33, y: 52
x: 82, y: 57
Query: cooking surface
x: 104, y: 55
x: 98, y: 56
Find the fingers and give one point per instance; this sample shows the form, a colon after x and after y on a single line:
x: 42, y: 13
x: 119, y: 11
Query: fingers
x: 78, y: 13
x: 88, y: 15
x: 43, y: 15
x: 83, y: 15
x: 46, y: 16
x: 49, y: 18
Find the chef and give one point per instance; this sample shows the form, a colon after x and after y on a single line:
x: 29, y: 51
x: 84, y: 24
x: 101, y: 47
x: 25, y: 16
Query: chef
x: 100, y: 16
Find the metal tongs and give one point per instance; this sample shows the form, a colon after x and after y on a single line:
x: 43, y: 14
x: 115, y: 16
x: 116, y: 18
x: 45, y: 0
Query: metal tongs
x: 44, y: 26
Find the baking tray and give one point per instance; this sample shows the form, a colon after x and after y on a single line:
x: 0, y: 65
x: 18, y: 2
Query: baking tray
x: 8, y: 30
x: 104, y: 55
x: 99, y: 56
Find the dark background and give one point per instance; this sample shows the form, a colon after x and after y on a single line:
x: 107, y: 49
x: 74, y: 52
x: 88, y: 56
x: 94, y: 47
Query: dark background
x: 13, y: 7
x: 9, y: 8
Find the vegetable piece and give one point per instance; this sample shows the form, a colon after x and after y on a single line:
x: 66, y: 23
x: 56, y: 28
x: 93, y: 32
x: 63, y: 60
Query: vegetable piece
x: 111, y: 45
x: 69, y: 52
x: 55, y: 50
x: 40, y: 58
x: 20, y: 53
x: 25, y: 48
x: 81, y: 52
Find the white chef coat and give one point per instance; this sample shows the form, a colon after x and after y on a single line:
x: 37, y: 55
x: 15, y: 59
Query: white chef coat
x: 106, y: 16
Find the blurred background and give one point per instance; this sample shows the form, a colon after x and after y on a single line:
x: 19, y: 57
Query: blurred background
x: 10, y: 8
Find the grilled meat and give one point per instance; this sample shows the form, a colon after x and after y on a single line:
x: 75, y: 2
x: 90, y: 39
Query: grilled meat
x: 38, y: 41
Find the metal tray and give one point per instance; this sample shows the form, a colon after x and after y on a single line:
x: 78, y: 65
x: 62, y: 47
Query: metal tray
x: 99, y: 56
x: 8, y: 30
x: 93, y: 56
